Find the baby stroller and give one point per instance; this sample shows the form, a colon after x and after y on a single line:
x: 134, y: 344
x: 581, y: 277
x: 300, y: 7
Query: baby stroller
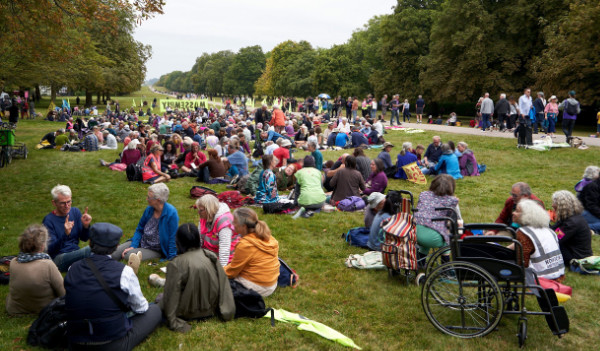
x: 467, y: 296
x: 399, y: 248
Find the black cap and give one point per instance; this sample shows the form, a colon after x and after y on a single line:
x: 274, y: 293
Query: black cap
x: 105, y: 234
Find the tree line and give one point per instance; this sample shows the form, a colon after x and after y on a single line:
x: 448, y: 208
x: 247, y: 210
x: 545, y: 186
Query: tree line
x: 85, y: 45
x: 451, y: 51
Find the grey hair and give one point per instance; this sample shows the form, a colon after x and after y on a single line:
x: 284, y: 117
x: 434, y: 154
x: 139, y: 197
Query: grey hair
x: 502, y: 96
x: 406, y: 147
x: 533, y: 215
x: 312, y: 144
x: 523, y: 187
x: 60, y: 190
x: 566, y: 204
x: 160, y: 191
x: 445, y: 147
x: 463, y: 144
x: 591, y: 172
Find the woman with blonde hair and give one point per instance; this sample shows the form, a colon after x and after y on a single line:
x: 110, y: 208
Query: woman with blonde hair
x: 574, y: 236
x: 216, y: 228
x: 34, y: 278
x: 255, y: 264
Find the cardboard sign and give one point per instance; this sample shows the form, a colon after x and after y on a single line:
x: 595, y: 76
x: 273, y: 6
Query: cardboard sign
x: 414, y: 174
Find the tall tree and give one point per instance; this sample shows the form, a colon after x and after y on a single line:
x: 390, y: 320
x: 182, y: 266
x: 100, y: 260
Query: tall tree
x: 246, y: 67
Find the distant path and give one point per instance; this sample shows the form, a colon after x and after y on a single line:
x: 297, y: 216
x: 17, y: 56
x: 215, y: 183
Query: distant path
x: 559, y: 136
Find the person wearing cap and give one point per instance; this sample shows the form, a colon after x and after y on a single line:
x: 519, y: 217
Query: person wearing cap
x: 571, y: 108
x: 151, y: 172
x: 66, y: 227
x: 282, y: 153
x: 385, y: 156
x: 99, y: 320
x: 387, y: 210
x: 551, y: 114
x: 540, y: 105
x: 375, y: 203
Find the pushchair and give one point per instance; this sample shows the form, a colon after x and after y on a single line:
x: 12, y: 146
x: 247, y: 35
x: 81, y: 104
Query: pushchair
x: 399, y: 247
x: 467, y: 294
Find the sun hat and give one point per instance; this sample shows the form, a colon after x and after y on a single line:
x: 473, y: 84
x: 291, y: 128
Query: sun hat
x: 374, y: 199
x: 285, y: 143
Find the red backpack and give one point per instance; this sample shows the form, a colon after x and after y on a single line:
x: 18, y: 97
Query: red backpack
x: 234, y: 199
x: 198, y: 191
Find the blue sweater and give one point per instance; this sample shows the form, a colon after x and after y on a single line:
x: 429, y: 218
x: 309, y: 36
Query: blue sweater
x: 167, y: 227
x: 448, y: 164
x: 407, y: 159
x: 375, y: 239
x: 58, y: 241
x: 341, y: 139
x: 239, y: 160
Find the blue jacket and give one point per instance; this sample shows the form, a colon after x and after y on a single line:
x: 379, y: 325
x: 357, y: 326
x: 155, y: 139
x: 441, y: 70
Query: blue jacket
x: 167, y: 227
x: 450, y: 164
x: 407, y: 159
x: 358, y: 139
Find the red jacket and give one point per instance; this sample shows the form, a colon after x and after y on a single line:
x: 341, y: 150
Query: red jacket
x: 509, y: 207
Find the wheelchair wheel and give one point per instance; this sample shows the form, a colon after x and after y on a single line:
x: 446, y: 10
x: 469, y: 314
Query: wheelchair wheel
x: 522, y: 332
x: 462, y: 299
x: 438, y: 258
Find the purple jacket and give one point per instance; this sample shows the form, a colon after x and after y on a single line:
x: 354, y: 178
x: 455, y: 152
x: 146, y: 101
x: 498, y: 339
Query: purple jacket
x: 468, y: 164
x: 376, y: 183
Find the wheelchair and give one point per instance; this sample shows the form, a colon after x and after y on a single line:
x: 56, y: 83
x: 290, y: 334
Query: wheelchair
x: 472, y: 283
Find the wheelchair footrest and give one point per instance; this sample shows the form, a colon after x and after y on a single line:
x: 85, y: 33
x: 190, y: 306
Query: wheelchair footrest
x: 547, y: 304
x: 562, y: 320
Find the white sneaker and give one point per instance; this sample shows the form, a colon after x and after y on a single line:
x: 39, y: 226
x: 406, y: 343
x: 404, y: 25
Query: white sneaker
x: 156, y: 281
x: 299, y: 213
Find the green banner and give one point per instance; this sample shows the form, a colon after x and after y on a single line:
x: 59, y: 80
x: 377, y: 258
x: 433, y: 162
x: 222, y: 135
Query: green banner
x: 181, y: 104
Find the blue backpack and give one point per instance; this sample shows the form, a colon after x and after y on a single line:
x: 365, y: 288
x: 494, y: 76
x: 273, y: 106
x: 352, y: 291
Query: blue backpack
x: 358, y: 236
x: 287, y: 276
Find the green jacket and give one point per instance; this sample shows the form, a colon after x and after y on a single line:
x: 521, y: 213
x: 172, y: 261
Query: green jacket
x: 196, y: 287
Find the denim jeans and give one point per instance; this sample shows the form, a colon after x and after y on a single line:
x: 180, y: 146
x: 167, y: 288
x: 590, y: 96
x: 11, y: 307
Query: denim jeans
x: 567, y: 127
x: 65, y: 260
x: 354, y: 115
x: 593, y: 221
x: 485, y: 121
x: 395, y: 113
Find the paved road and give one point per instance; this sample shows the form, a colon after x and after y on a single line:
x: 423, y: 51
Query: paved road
x: 559, y: 137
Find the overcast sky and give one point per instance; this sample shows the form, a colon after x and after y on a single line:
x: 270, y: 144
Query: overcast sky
x: 190, y: 27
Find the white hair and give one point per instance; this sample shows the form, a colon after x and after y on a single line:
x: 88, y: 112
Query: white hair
x: 60, y: 190
x: 133, y: 144
x: 160, y: 191
x: 463, y: 144
x: 502, y: 96
x: 533, y: 215
x: 591, y: 172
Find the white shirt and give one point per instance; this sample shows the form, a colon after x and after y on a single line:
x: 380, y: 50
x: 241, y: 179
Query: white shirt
x: 271, y: 148
x: 131, y: 285
x: 525, y: 104
x: 378, y: 127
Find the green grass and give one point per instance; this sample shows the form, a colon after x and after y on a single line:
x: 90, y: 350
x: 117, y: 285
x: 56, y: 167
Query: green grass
x: 377, y: 312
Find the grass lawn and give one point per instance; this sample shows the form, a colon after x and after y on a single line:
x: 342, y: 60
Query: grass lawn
x: 377, y: 312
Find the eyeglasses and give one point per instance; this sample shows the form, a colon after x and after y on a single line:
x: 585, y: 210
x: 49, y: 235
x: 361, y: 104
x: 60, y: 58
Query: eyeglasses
x: 514, y: 196
x: 63, y: 203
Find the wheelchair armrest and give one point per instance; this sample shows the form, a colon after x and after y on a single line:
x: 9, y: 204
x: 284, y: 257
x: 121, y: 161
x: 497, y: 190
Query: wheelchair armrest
x: 488, y: 239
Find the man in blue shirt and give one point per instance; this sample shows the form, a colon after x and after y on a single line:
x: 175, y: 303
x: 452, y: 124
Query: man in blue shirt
x: 358, y: 138
x: 66, y: 226
x: 432, y: 155
x: 341, y: 139
x: 237, y: 158
x: 420, y: 105
x: 270, y: 136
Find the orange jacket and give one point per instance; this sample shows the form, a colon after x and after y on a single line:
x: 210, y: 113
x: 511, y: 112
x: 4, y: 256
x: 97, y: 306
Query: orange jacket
x: 278, y: 118
x: 255, y: 260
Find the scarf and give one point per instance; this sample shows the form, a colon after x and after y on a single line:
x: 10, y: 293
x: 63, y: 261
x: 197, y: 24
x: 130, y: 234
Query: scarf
x: 27, y: 257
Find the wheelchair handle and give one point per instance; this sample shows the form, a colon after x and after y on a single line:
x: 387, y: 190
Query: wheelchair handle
x: 453, y: 226
x: 453, y: 209
x: 489, y: 239
x: 490, y: 226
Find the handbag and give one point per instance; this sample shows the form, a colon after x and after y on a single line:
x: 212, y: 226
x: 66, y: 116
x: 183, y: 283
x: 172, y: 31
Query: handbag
x: 556, y: 286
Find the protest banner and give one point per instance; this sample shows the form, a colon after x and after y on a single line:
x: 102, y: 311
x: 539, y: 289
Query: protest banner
x: 414, y: 174
x: 182, y: 104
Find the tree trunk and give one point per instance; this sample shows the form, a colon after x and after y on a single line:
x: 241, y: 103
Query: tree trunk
x: 98, y: 98
x: 38, y: 94
x: 88, y: 98
x: 52, y: 93
x: 107, y: 96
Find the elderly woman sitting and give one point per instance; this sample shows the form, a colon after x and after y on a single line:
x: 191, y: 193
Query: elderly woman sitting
x: 574, y: 237
x: 448, y: 163
x: 590, y: 174
x: 151, y: 172
x: 154, y: 236
x: 34, y: 279
x: 216, y: 229
x: 467, y: 162
x: 541, y: 250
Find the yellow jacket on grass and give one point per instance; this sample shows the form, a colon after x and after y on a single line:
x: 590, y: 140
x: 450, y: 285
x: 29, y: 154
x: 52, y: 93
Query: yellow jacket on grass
x: 255, y: 260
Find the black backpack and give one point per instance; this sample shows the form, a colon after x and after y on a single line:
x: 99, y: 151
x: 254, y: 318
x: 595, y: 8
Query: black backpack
x: 49, y: 330
x: 571, y: 108
x: 249, y: 303
x: 134, y: 171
